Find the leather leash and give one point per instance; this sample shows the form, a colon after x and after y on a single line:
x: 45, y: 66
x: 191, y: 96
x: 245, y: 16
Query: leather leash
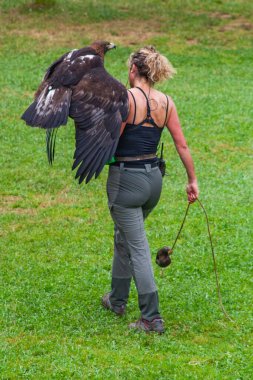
x: 213, y: 255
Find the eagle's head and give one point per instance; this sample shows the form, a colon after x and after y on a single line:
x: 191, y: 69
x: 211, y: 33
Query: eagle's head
x: 102, y: 47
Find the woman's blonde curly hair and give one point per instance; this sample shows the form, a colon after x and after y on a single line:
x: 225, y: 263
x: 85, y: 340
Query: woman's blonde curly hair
x: 151, y: 64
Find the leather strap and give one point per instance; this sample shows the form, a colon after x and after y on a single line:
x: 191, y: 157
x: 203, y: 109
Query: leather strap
x: 148, y: 106
x: 167, y: 108
x: 134, y: 106
x: 136, y: 158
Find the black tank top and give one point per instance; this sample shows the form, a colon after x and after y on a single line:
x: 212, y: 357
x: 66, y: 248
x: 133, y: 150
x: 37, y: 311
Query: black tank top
x: 138, y: 139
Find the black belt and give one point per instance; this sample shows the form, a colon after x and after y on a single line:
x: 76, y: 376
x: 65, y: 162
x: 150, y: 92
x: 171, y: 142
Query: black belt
x: 136, y: 164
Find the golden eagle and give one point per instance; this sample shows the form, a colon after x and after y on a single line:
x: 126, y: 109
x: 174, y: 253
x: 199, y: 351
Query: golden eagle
x: 77, y: 85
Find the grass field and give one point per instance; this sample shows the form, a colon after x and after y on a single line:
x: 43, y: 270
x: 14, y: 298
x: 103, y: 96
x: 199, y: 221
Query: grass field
x: 56, y: 236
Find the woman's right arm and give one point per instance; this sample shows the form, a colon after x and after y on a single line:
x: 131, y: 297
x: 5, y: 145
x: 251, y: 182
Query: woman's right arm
x: 173, y: 124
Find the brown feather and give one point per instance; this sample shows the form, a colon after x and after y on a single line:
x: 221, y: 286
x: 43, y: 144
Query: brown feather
x: 77, y: 85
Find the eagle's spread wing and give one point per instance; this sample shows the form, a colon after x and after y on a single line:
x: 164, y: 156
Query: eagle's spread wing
x: 50, y: 108
x: 99, y: 105
x: 77, y: 85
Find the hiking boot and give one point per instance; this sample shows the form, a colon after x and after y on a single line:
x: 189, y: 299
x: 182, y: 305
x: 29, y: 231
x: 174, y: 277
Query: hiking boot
x: 119, y: 310
x: 142, y: 324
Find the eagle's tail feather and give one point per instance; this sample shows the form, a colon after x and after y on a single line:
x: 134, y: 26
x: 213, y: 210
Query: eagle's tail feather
x: 50, y: 109
x: 50, y: 142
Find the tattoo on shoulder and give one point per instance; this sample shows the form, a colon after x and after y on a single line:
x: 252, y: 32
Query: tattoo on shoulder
x: 153, y: 104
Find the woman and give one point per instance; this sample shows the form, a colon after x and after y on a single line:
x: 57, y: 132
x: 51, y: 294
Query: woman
x: 134, y: 185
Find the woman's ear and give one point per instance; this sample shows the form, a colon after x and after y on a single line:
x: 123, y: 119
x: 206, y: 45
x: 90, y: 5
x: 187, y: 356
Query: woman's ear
x: 133, y: 68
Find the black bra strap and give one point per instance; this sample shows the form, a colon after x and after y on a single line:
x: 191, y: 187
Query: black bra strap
x: 148, y: 107
x: 167, y: 108
x: 134, y: 105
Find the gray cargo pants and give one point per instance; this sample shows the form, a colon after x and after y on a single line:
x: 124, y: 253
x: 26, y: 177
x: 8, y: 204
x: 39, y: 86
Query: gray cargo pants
x: 132, y: 194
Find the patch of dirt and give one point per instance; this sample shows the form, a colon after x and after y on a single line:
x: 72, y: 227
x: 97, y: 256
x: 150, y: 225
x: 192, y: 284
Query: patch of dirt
x: 7, y: 206
x: 192, y: 41
x: 9, y: 199
x: 121, y: 31
x: 8, y: 203
x: 220, y: 15
x: 18, y: 211
x: 61, y: 198
x: 239, y: 23
x: 227, y: 147
x: 234, y: 22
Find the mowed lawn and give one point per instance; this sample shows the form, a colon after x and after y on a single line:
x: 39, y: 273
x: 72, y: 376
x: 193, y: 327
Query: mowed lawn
x: 56, y: 241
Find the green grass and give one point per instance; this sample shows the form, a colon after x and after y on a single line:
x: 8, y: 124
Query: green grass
x: 56, y: 236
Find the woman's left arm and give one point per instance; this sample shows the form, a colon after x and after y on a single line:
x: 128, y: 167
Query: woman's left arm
x: 176, y: 132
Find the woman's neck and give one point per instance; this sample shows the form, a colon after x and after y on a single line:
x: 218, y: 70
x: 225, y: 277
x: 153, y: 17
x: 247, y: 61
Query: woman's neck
x: 142, y: 83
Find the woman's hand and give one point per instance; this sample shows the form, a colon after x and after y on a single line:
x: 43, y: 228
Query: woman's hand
x: 192, y: 191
